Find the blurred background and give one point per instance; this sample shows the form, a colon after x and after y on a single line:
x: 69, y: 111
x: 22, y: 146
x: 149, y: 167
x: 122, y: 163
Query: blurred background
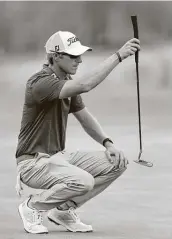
x: 25, y: 26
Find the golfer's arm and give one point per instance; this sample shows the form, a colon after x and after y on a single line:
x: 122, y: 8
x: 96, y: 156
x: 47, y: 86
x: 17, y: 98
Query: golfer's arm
x: 90, y: 80
x: 91, y: 125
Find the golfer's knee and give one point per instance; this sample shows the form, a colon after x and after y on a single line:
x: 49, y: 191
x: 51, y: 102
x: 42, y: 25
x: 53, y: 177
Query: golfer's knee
x: 87, y: 182
x: 83, y: 183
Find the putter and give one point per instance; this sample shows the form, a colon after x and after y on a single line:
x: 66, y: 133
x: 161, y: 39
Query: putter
x: 136, y: 35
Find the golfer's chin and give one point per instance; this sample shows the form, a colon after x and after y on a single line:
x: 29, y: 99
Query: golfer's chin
x: 73, y: 71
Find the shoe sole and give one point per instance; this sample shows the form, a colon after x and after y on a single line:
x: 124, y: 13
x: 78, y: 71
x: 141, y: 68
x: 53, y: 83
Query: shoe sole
x: 62, y: 224
x: 21, y: 216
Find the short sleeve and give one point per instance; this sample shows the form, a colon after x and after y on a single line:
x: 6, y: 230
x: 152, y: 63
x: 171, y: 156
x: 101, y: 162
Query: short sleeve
x: 77, y: 104
x: 47, y: 88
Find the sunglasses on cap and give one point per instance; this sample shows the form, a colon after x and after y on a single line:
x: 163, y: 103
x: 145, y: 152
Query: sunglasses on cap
x: 66, y: 54
x: 71, y: 56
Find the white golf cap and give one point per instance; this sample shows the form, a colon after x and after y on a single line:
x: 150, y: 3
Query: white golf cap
x: 67, y: 42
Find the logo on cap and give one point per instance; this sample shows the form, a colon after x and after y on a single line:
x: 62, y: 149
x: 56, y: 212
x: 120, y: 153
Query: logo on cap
x: 57, y: 48
x: 72, y: 40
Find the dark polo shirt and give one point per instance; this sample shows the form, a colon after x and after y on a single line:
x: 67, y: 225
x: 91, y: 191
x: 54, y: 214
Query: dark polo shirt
x: 44, y: 119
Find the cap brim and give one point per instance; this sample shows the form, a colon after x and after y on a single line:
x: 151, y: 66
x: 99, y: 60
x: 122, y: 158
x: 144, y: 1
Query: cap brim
x: 78, y: 50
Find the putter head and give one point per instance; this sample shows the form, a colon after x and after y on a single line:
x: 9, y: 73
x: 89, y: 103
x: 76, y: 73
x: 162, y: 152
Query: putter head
x: 143, y: 162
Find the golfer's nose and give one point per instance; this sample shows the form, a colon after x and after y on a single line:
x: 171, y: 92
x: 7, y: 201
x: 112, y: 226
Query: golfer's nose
x: 79, y: 59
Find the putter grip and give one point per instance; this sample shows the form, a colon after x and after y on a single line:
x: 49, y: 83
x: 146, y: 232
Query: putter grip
x: 136, y: 34
x: 135, y: 26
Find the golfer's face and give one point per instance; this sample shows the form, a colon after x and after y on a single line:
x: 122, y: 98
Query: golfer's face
x: 70, y: 63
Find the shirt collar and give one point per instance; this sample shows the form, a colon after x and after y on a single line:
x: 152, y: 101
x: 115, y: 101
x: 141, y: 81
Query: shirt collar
x: 48, y: 70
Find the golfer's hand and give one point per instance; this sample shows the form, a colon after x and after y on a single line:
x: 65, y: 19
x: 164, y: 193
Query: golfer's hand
x: 129, y: 48
x: 116, y: 157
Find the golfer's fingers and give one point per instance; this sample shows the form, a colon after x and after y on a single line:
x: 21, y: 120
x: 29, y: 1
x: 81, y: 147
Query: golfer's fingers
x: 123, y: 163
x: 130, y: 44
x: 117, y: 156
x: 121, y: 155
x: 121, y: 160
x: 134, y: 40
x: 132, y: 51
x: 126, y: 162
x: 109, y: 157
x: 136, y: 46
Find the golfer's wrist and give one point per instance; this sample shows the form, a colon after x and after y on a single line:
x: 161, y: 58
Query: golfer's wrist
x: 118, y: 56
x: 107, y: 142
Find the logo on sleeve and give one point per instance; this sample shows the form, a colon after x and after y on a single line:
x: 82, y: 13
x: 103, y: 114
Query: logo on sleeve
x: 54, y: 75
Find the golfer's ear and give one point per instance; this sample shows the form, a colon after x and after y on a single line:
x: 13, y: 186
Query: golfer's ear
x: 57, y: 56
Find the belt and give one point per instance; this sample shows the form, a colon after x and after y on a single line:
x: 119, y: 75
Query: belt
x: 25, y: 157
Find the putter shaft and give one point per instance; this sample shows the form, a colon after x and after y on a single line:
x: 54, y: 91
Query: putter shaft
x: 136, y: 35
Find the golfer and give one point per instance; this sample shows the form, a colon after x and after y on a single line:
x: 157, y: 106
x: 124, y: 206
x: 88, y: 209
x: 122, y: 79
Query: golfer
x: 68, y: 180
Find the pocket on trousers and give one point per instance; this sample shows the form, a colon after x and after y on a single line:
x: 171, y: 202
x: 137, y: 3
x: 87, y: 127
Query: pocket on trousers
x: 25, y: 165
x: 35, y: 175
